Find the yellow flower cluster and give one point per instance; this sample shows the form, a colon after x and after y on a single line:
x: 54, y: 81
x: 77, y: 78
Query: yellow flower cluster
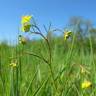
x: 86, y: 84
x: 26, y: 25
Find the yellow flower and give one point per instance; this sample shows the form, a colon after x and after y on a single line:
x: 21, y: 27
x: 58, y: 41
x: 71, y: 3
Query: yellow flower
x: 26, y: 19
x: 22, y: 40
x: 26, y: 25
x: 13, y: 65
x: 86, y: 84
x: 67, y: 35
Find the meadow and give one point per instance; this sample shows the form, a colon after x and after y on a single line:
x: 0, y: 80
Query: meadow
x: 50, y: 66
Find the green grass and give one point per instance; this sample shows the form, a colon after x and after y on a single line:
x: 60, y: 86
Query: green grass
x: 34, y: 77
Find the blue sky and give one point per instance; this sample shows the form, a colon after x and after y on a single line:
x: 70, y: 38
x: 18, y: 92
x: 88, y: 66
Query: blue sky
x: 44, y: 11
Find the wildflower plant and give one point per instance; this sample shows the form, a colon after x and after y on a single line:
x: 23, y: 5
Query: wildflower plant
x: 32, y: 28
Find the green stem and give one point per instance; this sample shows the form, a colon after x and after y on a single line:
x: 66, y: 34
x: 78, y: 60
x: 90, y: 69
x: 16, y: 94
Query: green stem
x: 49, y: 48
